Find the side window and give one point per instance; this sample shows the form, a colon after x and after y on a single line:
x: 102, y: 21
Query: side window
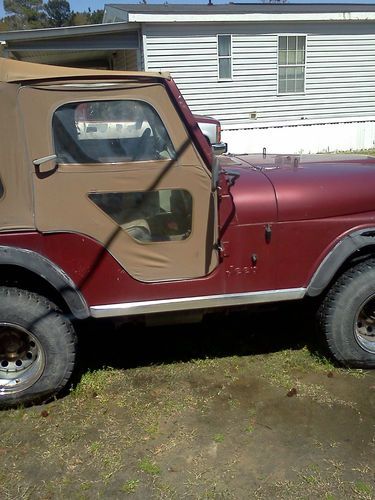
x: 110, y: 132
x: 163, y: 215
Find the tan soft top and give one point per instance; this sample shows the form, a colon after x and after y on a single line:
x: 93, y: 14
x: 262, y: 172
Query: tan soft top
x: 19, y: 71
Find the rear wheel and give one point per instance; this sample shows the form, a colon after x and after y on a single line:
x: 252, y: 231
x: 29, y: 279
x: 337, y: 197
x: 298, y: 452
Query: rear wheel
x: 347, y: 316
x: 37, y: 348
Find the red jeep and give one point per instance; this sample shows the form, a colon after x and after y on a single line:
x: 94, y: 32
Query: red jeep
x: 129, y: 214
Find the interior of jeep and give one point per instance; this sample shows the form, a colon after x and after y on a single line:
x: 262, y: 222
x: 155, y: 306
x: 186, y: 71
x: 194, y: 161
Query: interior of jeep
x: 110, y: 132
x: 163, y: 215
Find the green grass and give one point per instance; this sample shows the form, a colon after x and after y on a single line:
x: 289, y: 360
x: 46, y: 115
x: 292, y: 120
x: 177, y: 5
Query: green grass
x: 370, y: 151
x: 149, y: 467
x: 219, y: 438
x: 130, y: 486
x: 362, y: 488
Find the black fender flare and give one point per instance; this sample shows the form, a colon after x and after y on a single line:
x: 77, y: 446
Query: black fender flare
x: 51, y: 273
x: 344, y: 249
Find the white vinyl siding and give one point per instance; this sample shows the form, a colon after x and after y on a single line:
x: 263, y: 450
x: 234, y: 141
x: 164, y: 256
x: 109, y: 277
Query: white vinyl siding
x: 339, y: 80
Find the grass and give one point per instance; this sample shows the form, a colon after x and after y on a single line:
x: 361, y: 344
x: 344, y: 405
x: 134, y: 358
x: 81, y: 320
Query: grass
x: 130, y: 486
x: 149, y: 467
x: 191, y: 428
x: 363, y: 489
x: 370, y: 151
x: 219, y: 438
x: 287, y: 369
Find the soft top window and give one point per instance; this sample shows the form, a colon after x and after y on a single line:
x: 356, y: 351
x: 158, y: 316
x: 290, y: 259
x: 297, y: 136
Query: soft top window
x: 113, y: 131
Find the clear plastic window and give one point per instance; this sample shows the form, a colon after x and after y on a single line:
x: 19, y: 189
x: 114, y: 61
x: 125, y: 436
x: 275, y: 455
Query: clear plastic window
x: 113, y: 131
x: 163, y: 215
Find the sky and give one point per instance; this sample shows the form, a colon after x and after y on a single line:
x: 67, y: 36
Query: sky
x: 81, y: 5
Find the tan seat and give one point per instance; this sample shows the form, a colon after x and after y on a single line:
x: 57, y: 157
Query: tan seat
x: 138, y: 229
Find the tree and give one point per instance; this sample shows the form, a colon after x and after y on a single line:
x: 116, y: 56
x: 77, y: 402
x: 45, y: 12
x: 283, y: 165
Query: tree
x: 79, y: 18
x: 96, y: 16
x: 25, y: 14
x: 58, y: 13
x: 3, y: 25
x: 87, y: 17
x: 30, y: 14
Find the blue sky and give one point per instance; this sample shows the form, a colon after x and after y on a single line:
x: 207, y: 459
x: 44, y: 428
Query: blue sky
x: 80, y: 5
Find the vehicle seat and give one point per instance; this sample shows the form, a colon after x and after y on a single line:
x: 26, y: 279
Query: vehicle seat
x: 138, y: 229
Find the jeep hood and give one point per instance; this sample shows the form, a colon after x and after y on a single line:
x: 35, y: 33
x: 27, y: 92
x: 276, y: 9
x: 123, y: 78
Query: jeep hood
x: 311, y: 186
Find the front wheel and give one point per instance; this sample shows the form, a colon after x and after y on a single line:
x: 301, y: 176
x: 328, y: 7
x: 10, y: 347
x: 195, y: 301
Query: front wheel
x: 347, y: 316
x: 37, y: 348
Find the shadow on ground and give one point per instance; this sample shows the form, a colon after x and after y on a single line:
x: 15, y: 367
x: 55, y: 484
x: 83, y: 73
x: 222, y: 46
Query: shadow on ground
x: 258, y: 331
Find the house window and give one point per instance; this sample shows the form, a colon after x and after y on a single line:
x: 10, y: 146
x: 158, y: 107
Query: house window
x: 224, y: 54
x: 292, y: 57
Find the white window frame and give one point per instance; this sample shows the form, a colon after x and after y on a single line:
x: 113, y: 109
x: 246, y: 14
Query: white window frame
x: 279, y: 65
x: 224, y: 57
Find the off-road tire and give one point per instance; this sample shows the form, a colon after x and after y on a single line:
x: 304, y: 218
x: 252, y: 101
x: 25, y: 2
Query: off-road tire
x: 340, y: 313
x: 53, y: 340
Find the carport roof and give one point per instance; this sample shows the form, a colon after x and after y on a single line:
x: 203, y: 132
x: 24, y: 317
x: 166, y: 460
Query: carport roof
x: 71, y: 44
x: 68, y: 31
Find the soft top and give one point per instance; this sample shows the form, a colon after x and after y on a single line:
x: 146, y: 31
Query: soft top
x: 19, y: 71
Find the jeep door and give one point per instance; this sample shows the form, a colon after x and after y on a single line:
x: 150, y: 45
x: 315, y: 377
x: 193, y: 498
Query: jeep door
x: 126, y: 175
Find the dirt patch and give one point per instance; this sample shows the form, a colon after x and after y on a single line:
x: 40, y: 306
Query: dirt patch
x: 202, y: 411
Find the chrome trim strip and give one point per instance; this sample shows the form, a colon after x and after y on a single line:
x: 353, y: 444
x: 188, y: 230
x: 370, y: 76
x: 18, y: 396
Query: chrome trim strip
x: 203, y: 302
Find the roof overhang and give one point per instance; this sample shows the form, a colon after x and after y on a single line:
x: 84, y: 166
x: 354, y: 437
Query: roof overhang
x: 250, y: 17
x: 83, y: 45
x: 67, y: 32
x: 233, y: 12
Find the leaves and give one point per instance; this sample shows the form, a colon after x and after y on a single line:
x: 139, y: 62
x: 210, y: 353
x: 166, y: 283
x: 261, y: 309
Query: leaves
x: 24, y: 14
x: 58, y: 13
x: 32, y: 14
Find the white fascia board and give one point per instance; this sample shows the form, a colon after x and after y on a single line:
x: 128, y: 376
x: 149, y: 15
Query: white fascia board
x: 296, y: 123
x: 214, y: 18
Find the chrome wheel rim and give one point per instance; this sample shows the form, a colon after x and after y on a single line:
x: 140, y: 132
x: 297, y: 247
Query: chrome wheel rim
x: 364, y: 327
x: 22, y: 359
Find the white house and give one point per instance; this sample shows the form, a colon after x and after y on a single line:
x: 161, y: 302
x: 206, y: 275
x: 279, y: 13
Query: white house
x: 286, y: 77
x: 290, y: 78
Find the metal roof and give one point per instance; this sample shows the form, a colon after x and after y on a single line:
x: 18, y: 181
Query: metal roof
x: 241, y: 8
x: 71, y: 45
x: 69, y: 31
